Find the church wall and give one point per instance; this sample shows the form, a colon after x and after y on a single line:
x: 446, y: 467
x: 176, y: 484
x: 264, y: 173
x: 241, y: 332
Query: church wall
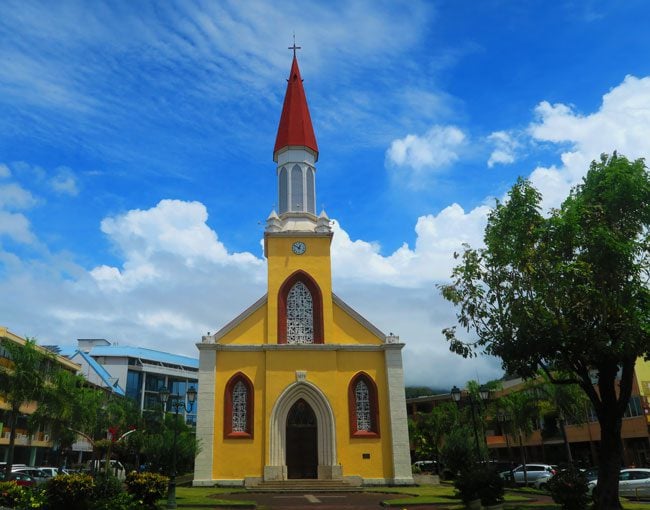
x: 331, y: 372
x: 347, y: 330
x: 282, y: 263
x: 351, y: 450
x: 238, y: 458
x: 252, y: 330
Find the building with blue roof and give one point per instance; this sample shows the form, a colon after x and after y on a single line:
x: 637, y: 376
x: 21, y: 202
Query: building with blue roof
x: 142, y: 372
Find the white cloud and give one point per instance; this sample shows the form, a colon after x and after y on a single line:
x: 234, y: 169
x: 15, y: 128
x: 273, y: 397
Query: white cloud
x: 150, y: 240
x: 14, y: 197
x: 64, y: 182
x: 505, y: 146
x: 17, y: 227
x: 429, y: 261
x: 622, y: 123
x: 437, y: 148
x: 4, y: 171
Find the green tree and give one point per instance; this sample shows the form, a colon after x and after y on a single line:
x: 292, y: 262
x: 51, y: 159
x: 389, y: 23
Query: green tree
x: 428, y: 431
x: 522, y: 411
x: 566, y: 293
x: 561, y: 403
x: 68, y: 407
x: 157, y: 445
x: 22, y: 381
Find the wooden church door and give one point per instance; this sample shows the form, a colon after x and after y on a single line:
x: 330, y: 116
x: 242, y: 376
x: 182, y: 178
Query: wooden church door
x: 302, y: 449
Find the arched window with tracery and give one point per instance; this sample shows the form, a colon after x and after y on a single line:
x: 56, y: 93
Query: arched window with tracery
x: 300, y: 315
x: 238, y: 407
x: 364, y: 411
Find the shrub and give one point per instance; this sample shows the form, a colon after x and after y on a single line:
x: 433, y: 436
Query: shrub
x: 480, y: 483
x: 569, y: 489
x: 467, y: 485
x: 106, y: 487
x: 31, y: 498
x: 491, y: 490
x: 70, y: 492
x: 10, y: 493
x: 122, y: 501
x: 146, y: 487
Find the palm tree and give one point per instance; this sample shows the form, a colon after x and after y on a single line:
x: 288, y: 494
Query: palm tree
x: 22, y: 380
x: 68, y: 407
x: 522, y: 409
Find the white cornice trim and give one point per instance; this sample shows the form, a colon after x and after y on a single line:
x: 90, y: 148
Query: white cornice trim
x: 359, y: 318
x: 236, y: 321
x: 298, y: 347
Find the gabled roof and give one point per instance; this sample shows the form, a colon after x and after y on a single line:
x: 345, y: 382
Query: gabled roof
x: 295, y: 128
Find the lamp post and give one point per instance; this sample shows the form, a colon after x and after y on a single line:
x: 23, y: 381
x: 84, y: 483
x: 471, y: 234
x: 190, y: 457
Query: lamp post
x: 484, y: 394
x: 178, y: 403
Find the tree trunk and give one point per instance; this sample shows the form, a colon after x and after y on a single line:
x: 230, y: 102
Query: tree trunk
x: 13, y: 420
x: 610, y: 462
x: 567, y: 445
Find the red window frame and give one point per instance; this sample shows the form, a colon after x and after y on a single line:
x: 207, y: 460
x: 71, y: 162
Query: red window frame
x: 374, y: 407
x: 317, y: 304
x: 228, y: 433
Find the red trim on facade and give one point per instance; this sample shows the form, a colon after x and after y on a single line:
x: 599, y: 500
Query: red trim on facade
x: 317, y: 303
x: 227, y: 410
x: 374, y: 407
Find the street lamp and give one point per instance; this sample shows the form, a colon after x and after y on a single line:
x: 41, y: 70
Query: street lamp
x: 178, y: 403
x: 484, y: 394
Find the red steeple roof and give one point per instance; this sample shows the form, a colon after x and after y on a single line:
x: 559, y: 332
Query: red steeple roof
x: 295, y: 127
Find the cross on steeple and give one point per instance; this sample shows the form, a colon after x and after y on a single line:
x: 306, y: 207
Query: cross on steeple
x: 294, y: 47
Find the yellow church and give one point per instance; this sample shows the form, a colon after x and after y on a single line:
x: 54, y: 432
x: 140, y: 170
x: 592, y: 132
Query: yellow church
x: 300, y: 385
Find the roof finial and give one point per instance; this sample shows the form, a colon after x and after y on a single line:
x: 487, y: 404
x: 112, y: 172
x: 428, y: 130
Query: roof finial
x: 294, y: 47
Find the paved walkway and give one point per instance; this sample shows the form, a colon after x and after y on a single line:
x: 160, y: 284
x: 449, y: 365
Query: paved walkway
x: 314, y: 501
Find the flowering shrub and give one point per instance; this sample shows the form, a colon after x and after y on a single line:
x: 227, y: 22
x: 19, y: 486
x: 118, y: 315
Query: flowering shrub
x: 146, y: 487
x: 10, y: 494
x: 569, y: 489
x: 31, y: 499
x: 70, y: 492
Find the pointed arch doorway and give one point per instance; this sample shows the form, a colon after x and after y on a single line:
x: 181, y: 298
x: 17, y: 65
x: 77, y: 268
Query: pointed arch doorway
x: 302, y: 441
x: 280, y: 451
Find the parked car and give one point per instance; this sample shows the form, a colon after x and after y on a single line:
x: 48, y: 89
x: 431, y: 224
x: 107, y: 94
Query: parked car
x: 22, y: 479
x: 533, y: 472
x: 426, y: 466
x: 633, y: 482
x: 116, y: 468
x: 542, y: 482
x: 39, y: 476
x: 53, y: 471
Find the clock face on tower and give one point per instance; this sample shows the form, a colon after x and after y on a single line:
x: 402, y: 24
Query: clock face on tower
x: 298, y: 248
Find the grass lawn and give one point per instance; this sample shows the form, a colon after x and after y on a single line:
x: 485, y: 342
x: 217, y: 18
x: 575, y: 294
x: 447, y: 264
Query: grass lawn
x: 192, y: 498
x: 442, y: 494
x: 200, y: 498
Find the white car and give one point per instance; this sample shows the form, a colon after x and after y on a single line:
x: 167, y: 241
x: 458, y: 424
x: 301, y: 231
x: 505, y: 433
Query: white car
x: 53, y: 471
x: 533, y: 473
x: 633, y: 482
x: 542, y: 482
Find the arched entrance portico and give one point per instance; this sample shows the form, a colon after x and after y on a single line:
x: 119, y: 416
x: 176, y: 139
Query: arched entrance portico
x: 328, y: 467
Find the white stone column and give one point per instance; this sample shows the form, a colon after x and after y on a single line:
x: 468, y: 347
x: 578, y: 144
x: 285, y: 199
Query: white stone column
x: 205, y: 415
x: 398, y: 423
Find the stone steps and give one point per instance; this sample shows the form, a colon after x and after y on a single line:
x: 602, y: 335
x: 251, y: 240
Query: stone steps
x: 306, y: 485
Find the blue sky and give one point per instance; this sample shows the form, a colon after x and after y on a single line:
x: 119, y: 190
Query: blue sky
x: 136, y: 163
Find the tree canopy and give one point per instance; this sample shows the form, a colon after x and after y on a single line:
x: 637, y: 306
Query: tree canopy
x: 567, y: 293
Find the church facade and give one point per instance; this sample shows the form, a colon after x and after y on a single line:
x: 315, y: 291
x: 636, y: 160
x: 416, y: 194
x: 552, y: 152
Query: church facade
x: 299, y: 385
